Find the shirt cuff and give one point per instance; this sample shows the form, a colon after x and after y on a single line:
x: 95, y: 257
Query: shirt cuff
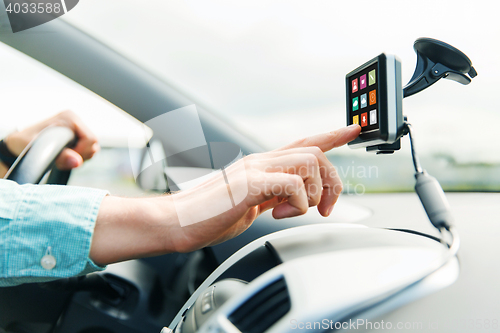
x: 52, y: 223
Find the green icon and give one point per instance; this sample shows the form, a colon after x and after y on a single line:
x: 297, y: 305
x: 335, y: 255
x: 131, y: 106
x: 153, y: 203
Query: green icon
x: 355, y: 104
x: 372, y: 77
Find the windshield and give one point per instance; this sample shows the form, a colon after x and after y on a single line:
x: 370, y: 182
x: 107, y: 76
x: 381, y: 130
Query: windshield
x: 275, y: 70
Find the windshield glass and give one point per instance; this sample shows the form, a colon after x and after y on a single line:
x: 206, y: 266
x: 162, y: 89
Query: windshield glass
x: 275, y: 70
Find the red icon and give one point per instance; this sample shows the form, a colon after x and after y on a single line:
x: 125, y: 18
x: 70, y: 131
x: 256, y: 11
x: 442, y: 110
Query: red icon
x: 364, y: 119
x: 354, y: 85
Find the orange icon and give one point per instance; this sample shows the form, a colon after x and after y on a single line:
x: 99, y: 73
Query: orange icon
x: 373, y: 97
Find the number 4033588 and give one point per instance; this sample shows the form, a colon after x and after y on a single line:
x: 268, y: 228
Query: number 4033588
x: 33, y: 8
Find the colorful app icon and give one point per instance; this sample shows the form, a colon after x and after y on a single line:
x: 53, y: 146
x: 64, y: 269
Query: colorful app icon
x: 362, y: 82
x: 373, y: 97
x: 355, y: 104
x: 373, y: 117
x: 354, y: 85
x: 364, y: 120
x: 364, y: 101
x: 372, y: 77
x: 355, y: 119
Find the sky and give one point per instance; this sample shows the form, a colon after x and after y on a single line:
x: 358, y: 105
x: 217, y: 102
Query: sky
x: 275, y: 69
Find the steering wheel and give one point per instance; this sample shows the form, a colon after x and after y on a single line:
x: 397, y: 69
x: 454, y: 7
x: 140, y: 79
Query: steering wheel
x: 40, y: 155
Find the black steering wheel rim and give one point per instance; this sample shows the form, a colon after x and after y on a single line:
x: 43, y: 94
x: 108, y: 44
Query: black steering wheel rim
x: 39, y: 157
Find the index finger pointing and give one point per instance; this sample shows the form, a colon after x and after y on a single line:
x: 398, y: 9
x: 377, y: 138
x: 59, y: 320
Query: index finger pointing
x: 328, y: 141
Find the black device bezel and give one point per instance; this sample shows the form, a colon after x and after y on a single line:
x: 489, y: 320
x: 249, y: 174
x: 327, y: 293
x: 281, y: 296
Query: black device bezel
x: 383, y: 131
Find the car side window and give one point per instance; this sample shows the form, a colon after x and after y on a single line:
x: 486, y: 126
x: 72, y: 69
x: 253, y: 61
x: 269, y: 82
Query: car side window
x: 30, y: 92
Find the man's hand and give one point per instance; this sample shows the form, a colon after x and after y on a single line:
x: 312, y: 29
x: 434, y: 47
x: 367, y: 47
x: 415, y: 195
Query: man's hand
x: 287, y: 180
x: 85, y: 148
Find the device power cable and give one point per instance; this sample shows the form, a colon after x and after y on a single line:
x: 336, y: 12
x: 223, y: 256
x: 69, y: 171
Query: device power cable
x: 433, y: 199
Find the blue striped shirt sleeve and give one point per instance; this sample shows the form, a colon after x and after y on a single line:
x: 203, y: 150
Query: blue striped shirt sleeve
x: 36, y: 220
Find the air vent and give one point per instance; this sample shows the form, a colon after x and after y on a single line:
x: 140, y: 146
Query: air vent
x: 263, y: 309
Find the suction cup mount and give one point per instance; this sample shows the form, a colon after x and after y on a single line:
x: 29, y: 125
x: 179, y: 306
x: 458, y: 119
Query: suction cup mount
x: 437, y: 60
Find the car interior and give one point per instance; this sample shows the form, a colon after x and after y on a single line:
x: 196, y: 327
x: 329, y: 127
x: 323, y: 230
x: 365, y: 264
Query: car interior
x: 391, y: 254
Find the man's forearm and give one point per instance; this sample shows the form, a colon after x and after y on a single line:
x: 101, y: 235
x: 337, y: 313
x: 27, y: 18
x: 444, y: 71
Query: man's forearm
x: 128, y: 228
x: 7, y: 157
x: 3, y: 169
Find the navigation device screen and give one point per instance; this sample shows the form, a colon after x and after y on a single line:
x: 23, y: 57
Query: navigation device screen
x: 364, y: 98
